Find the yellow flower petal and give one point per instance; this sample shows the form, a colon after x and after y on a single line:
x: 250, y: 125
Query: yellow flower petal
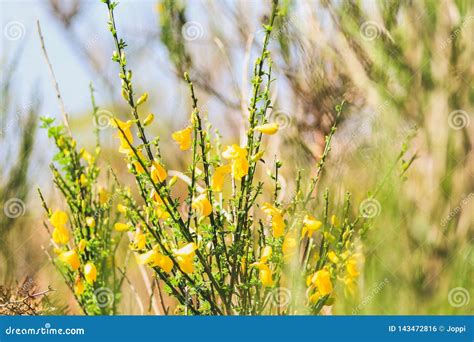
x: 60, y: 235
x: 218, y: 177
x: 310, y: 225
x: 103, y: 195
x: 202, y: 205
x: 183, y: 138
x: 58, y: 219
x: 146, y: 258
x: 278, y: 223
x: 90, y: 272
x: 265, y: 275
x: 164, y: 262
x: 269, y: 128
x: 121, y: 208
x: 184, y: 257
x: 78, y: 286
x: 240, y: 164
x: 71, y: 258
x: 240, y: 167
x: 82, y: 245
x: 139, y: 240
x: 124, y: 134
x: 187, y: 250
x: 90, y: 221
x: 158, y: 172
x: 234, y: 151
x: 161, y: 212
x: 121, y: 227
x: 322, y: 280
x: 138, y: 167
x: 333, y: 257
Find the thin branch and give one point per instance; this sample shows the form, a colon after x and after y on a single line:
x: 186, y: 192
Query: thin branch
x: 53, y: 79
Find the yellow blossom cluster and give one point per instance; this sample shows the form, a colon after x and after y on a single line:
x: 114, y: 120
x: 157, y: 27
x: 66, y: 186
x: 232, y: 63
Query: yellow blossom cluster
x: 71, y: 257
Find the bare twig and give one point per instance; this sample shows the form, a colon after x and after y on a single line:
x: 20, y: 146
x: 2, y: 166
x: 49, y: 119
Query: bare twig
x: 53, y: 79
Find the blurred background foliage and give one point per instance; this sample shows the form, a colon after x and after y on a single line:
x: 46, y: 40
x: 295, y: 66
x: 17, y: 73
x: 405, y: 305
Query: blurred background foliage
x: 400, y: 65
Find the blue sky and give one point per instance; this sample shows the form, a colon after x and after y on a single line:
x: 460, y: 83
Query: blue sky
x: 18, y: 24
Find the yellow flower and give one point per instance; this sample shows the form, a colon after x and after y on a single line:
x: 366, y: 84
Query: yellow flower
x: 90, y: 221
x: 121, y: 227
x: 218, y: 177
x: 103, y: 195
x: 333, y: 257
x: 71, y: 258
x: 202, y: 205
x: 138, y: 161
x: 158, y: 172
x: 121, y: 208
x: 90, y: 272
x: 184, y: 257
x: 269, y: 128
x: 310, y: 225
x: 265, y: 274
x: 238, y: 156
x: 322, y: 280
x: 139, y: 240
x: 351, y: 267
x: 124, y: 134
x: 83, y: 179
x: 138, y: 167
x: 156, y: 197
x: 78, y: 286
x: 82, y: 245
x: 183, y: 138
x: 154, y: 258
x: 146, y: 258
x: 240, y: 168
x: 289, y: 246
x: 161, y: 212
x: 60, y: 235
x: 334, y: 220
x: 164, y: 262
x: 278, y: 223
x: 58, y: 219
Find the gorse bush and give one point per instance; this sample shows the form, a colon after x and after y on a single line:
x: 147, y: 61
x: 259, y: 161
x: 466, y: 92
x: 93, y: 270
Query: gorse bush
x: 85, y: 258
x: 227, y: 250
x: 226, y: 246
